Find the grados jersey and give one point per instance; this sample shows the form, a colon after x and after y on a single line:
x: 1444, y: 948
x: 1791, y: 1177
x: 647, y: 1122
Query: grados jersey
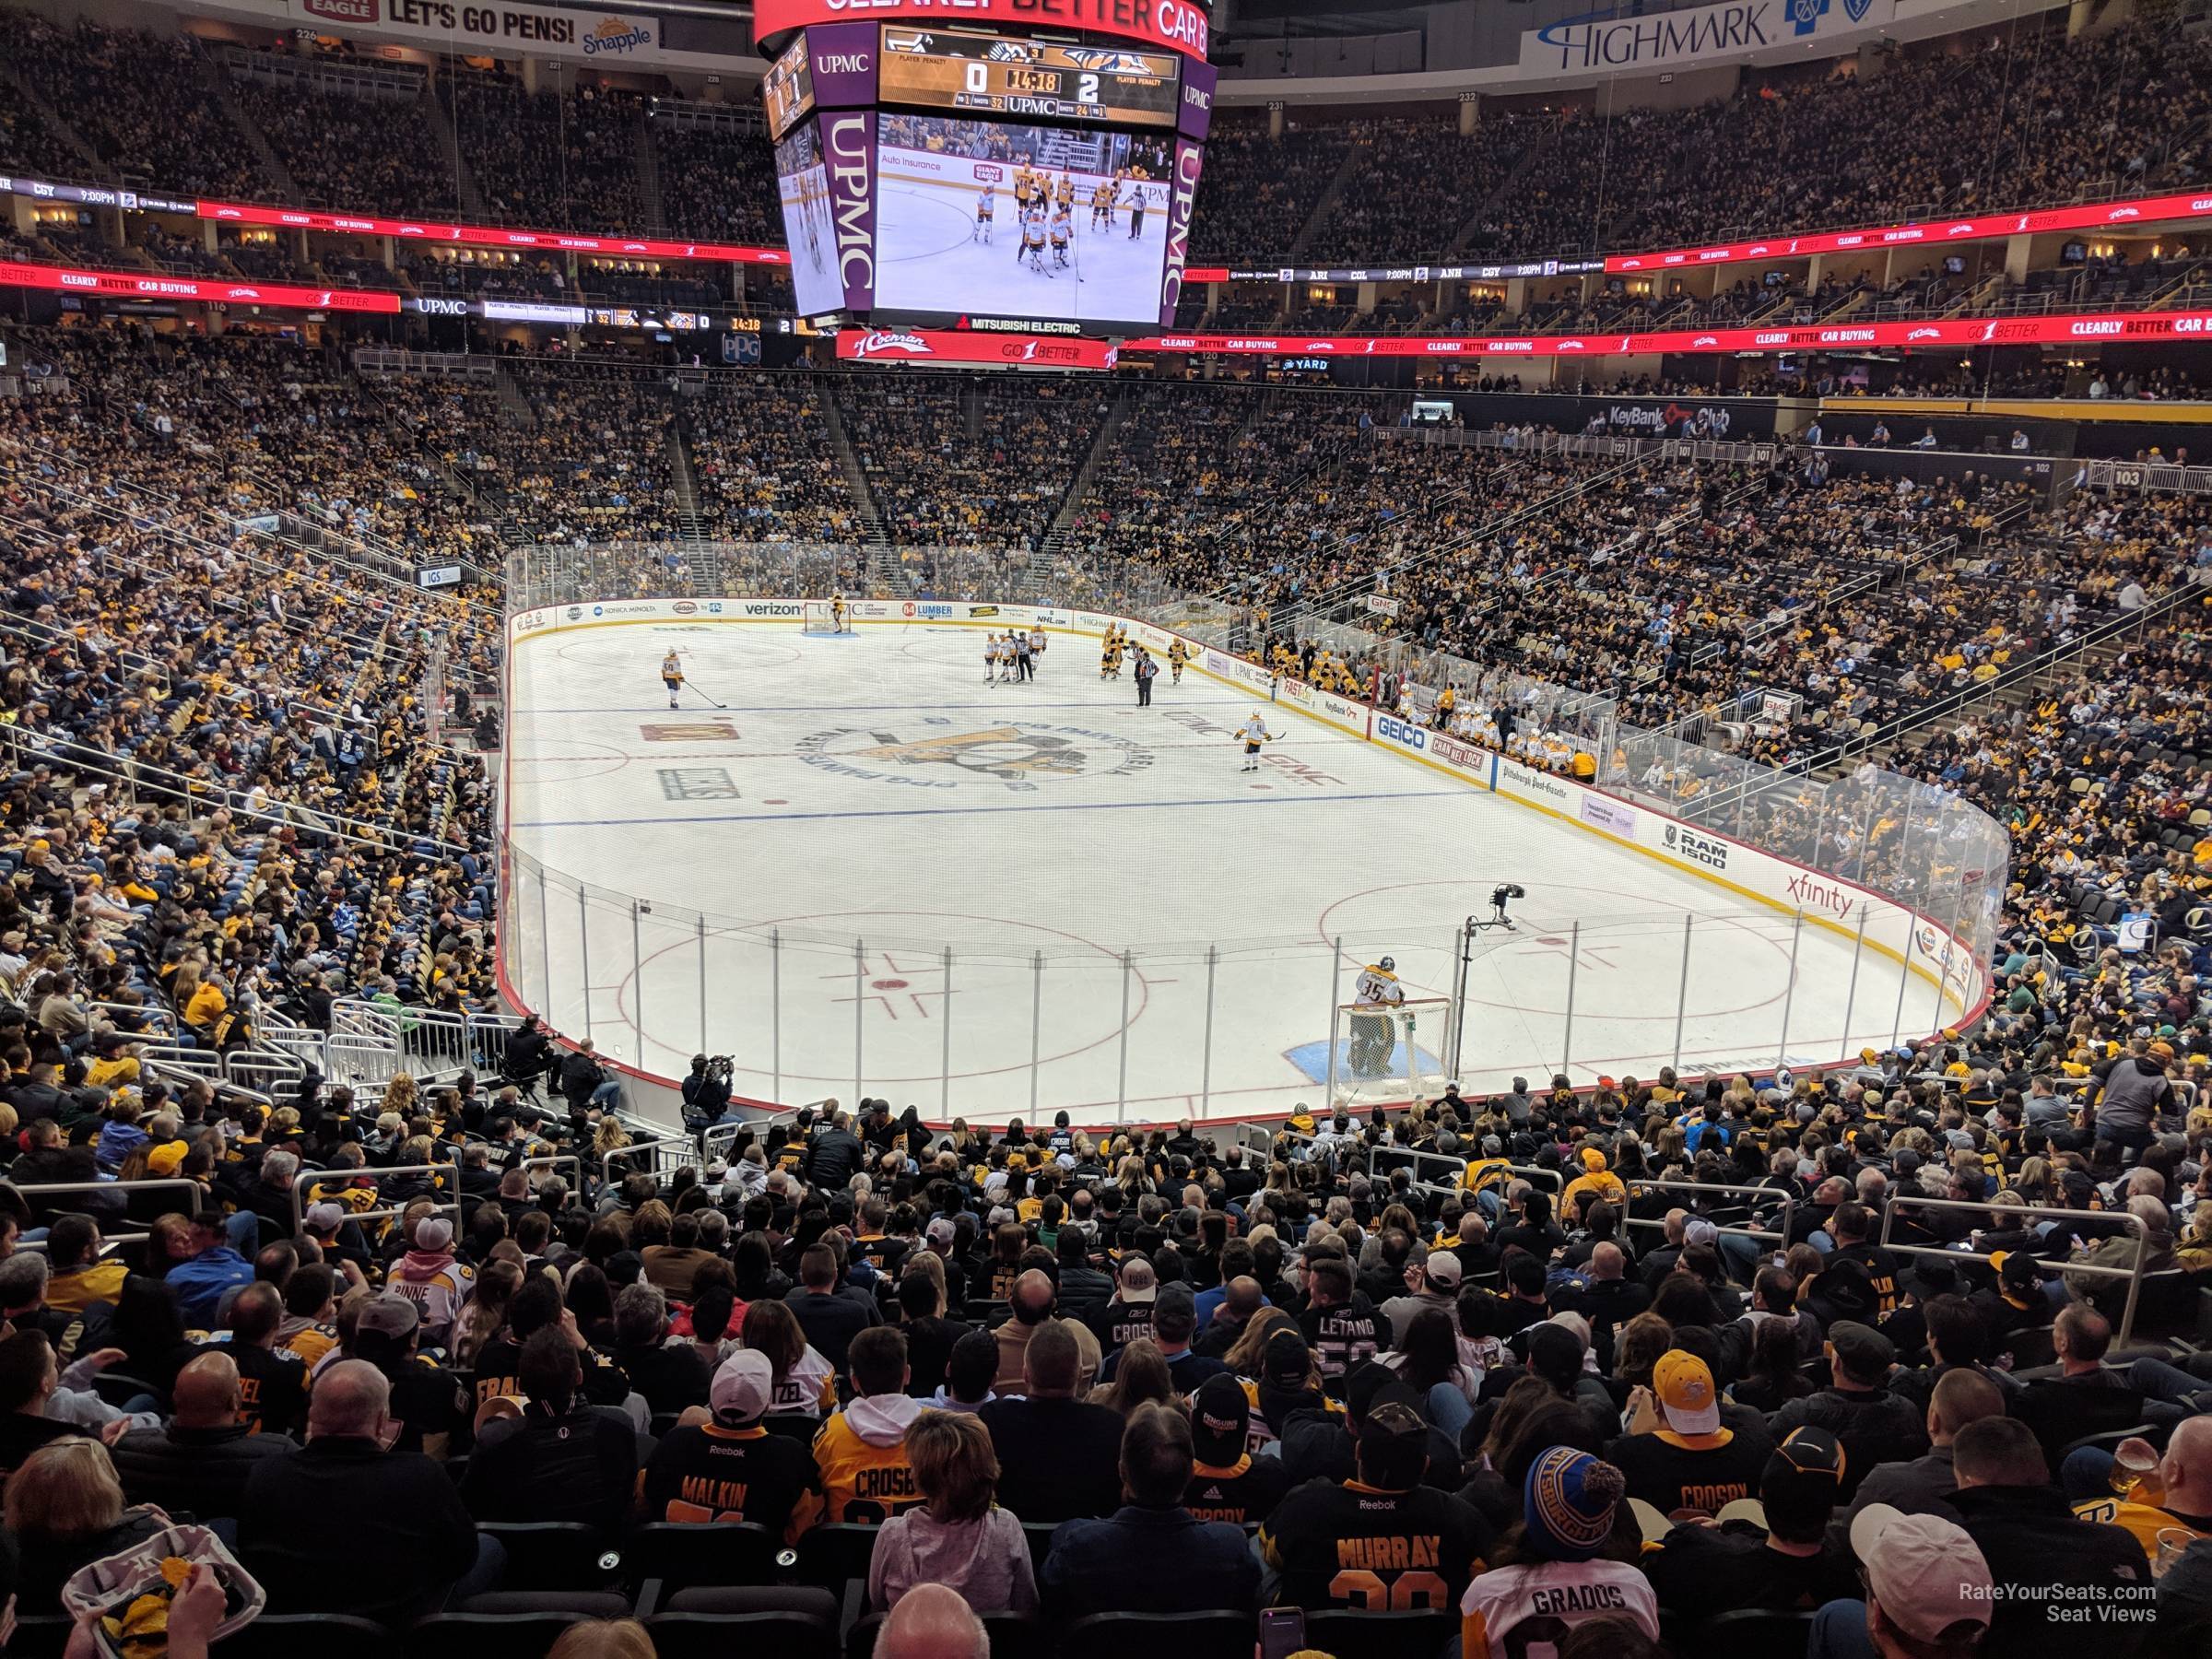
x: 1374, y: 1551
x: 862, y: 1484
x: 1378, y: 985
x: 711, y: 1472
x: 1526, y: 1612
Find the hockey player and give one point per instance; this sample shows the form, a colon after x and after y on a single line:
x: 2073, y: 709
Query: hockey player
x: 1251, y: 734
x: 839, y: 614
x: 672, y: 674
x: 1064, y: 227
x: 990, y: 659
x: 1101, y: 206
x: 1036, y: 650
x: 1375, y: 1035
x: 986, y: 205
x: 1178, y: 655
x: 1032, y: 238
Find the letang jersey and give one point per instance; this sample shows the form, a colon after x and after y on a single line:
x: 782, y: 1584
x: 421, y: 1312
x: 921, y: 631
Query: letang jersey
x: 1526, y: 1612
x: 1359, y: 1547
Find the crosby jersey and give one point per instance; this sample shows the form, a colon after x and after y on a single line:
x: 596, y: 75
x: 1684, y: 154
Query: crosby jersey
x: 1526, y: 1612
x: 1372, y: 1550
x: 1377, y: 985
x: 862, y: 1484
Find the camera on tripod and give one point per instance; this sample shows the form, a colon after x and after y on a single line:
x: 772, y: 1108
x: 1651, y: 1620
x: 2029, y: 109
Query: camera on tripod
x: 1501, y: 895
x: 721, y: 1066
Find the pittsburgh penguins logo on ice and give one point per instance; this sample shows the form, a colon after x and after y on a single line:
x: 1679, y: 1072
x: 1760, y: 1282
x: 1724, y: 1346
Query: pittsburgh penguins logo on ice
x: 1019, y: 757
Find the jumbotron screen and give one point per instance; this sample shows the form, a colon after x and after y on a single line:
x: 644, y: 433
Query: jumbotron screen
x: 1062, y: 224
x: 803, y: 181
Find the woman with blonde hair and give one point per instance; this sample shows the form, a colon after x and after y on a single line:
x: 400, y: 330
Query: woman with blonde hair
x: 400, y: 1095
x: 603, y: 1638
x: 1140, y: 1374
x: 66, y: 1510
x: 486, y: 1312
x: 959, y: 1537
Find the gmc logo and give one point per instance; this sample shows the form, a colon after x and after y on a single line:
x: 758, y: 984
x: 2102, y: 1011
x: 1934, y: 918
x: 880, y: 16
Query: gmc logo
x: 344, y: 11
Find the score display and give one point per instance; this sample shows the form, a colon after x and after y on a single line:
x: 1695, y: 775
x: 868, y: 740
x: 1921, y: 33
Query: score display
x: 1004, y: 74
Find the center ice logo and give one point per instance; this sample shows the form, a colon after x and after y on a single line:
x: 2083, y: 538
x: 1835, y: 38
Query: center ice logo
x: 1020, y: 757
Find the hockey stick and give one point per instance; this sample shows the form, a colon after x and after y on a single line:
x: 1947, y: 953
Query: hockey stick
x: 691, y: 685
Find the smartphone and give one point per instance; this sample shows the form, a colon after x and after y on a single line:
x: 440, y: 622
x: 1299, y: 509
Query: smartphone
x: 1282, y: 1631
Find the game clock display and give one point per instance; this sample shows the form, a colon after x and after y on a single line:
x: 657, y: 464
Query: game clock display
x: 1000, y: 75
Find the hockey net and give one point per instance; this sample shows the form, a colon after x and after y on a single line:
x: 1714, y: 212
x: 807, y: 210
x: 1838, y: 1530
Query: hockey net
x: 815, y: 617
x: 1389, y: 1054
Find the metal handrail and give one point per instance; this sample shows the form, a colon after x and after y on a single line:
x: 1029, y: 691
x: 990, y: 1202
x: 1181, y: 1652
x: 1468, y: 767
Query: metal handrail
x: 306, y: 1177
x: 144, y: 1186
x: 655, y: 1146
x: 2134, y: 1223
x: 1789, y: 1203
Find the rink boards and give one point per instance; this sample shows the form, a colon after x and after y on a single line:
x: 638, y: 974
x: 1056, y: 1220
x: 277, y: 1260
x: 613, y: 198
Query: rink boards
x: 1929, y: 948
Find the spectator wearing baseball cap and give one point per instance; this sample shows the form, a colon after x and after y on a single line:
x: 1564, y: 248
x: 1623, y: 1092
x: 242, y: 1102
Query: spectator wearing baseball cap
x: 1227, y: 1482
x: 1562, y: 1565
x: 1874, y: 1425
x: 1380, y: 1540
x: 1680, y: 1456
x: 1129, y: 1315
x: 434, y: 1279
x: 1323, y: 1445
x: 2016, y: 1302
x: 1431, y: 1284
x: 722, y: 1465
x: 1928, y: 1592
x: 1788, y: 1562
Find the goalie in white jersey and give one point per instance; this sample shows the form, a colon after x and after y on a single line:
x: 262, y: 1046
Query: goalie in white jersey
x: 1527, y: 1610
x: 1375, y: 1035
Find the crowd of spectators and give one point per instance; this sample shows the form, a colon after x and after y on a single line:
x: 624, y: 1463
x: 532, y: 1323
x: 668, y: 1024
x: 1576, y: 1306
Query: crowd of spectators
x: 765, y: 465
x: 718, y: 177
x: 550, y: 159
x: 364, y: 152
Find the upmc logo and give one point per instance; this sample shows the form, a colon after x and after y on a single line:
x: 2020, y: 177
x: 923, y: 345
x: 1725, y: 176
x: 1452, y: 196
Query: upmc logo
x: 850, y: 145
x: 1197, y: 99
x: 1189, y: 156
x: 343, y: 11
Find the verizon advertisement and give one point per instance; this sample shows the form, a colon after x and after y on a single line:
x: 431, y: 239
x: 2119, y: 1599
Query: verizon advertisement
x: 1189, y: 158
x: 1178, y: 25
x: 973, y: 351
x: 2097, y: 215
x: 139, y: 285
x: 2124, y: 327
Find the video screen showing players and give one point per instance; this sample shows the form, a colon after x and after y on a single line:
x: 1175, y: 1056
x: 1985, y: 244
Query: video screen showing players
x: 1009, y: 220
x: 809, y: 231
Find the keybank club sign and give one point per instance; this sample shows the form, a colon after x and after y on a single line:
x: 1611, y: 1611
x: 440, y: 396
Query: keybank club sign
x: 1666, y: 39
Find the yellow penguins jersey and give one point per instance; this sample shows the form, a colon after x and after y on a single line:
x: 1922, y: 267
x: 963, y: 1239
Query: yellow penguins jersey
x: 862, y: 1482
x: 1485, y: 1172
x: 2145, y: 1521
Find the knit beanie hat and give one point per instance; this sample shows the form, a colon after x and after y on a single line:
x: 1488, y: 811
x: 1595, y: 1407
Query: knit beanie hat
x: 1568, y: 1500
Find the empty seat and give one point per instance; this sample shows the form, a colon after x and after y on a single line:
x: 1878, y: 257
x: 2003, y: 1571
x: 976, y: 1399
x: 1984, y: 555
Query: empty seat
x: 683, y: 1553
x: 787, y: 1634
x: 1420, y: 1633
x: 552, y: 1555
x: 1216, y: 1635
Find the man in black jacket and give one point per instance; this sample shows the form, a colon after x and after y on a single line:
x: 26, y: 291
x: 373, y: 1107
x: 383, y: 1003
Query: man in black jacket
x: 830, y: 1320
x: 202, y: 1459
x: 1058, y: 1457
x: 561, y: 1460
x: 308, y: 1521
x: 835, y: 1155
x: 2039, y: 1555
x: 1874, y: 1425
x: 582, y: 1084
x: 2084, y: 1398
x: 1084, y: 1290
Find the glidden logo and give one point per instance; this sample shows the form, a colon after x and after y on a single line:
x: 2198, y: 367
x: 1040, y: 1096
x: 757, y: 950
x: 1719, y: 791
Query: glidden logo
x: 684, y: 608
x: 877, y: 341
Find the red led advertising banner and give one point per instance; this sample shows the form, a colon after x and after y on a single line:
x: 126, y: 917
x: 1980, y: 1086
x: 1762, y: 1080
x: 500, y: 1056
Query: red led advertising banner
x: 141, y: 285
x: 1955, y: 334
x: 945, y: 346
x: 1177, y: 25
x: 2096, y: 216
x: 487, y: 236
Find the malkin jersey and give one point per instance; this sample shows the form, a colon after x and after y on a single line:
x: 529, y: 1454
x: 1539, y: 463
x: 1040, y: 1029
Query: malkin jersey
x: 1359, y: 1546
x: 715, y: 1474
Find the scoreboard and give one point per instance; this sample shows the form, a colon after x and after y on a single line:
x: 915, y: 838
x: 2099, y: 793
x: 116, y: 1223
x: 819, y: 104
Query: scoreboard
x: 1002, y: 75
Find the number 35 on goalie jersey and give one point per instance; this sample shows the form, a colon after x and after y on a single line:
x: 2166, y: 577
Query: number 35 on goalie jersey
x: 1378, y: 985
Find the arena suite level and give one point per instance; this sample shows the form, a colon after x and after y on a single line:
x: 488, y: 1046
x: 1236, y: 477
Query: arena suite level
x: 1926, y: 945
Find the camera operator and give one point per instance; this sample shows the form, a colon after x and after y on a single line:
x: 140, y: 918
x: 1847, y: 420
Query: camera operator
x: 528, y: 1056
x: 706, y: 1091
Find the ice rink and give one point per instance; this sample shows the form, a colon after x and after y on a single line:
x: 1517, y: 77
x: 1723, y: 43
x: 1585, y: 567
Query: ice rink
x: 873, y: 873
x: 928, y: 258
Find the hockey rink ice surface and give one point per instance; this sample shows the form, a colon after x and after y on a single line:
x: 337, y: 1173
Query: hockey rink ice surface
x: 871, y: 787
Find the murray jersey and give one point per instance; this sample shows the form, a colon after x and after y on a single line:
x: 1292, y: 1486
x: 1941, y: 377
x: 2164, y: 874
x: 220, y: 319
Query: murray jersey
x: 1378, y: 985
x: 1372, y: 1550
x: 1526, y: 1612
